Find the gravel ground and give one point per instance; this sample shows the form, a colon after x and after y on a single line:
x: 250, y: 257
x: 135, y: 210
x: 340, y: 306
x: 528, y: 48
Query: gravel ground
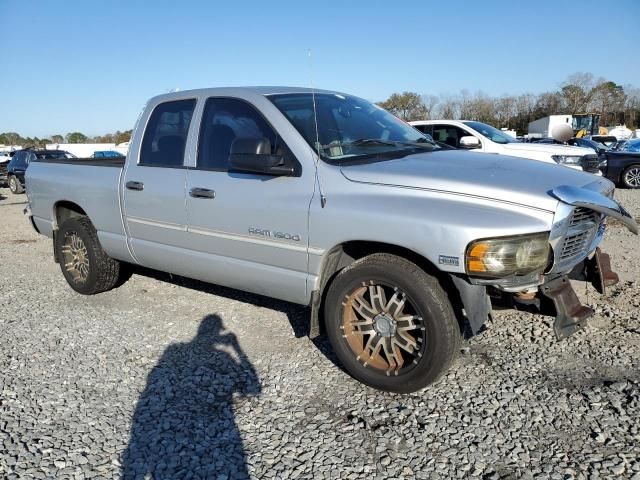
x: 189, y: 380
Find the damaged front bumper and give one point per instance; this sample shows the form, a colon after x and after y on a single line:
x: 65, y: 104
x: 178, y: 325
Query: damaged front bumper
x: 553, y: 296
x: 570, y: 314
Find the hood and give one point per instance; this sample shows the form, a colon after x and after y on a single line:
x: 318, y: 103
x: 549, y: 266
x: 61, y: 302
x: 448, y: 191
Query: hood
x: 483, y: 175
x: 549, y: 148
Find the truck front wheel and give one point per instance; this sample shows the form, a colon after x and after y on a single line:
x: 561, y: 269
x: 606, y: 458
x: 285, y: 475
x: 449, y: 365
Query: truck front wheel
x: 391, y: 324
x: 85, y: 266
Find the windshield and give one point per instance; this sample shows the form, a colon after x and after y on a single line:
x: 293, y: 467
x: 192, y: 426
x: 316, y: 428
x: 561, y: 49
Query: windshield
x: 349, y: 128
x: 490, y: 132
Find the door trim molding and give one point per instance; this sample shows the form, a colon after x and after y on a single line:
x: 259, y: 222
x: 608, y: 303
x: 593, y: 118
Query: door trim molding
x: 226, y: 235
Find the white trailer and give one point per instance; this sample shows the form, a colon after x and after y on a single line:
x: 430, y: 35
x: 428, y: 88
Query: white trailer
x: 543, y: 127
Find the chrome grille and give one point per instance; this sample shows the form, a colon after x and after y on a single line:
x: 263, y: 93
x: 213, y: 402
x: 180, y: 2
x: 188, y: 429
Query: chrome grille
x: 582, y: 228
x: 574, y: 245
x: 581, y: 215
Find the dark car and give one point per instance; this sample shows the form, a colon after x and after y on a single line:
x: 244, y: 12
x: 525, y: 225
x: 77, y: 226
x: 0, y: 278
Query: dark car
x: 623, y: 165
x: 589, y: 143
x: 20, y: 161
x: 606, y: 140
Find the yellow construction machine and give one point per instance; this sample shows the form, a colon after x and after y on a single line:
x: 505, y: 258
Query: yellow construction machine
x: 584, y: 124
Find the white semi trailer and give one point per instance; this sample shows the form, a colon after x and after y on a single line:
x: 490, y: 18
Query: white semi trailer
x: 543, y: 127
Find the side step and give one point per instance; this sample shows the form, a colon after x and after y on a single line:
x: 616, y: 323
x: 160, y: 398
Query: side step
x: 571, y: 315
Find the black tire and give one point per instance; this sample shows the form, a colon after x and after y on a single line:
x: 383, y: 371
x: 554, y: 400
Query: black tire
x: 631, y: 176
x: 15, y: 186
x: 103, y: 272
x: 440, y: 332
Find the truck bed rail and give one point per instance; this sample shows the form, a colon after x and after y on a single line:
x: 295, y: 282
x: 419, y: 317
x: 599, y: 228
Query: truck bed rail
x: 93, y: 162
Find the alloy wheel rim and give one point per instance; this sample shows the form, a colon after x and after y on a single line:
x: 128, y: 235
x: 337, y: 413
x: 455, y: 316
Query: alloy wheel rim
x: 76, y: 258
x: 12, y: 184
x: 633, y: 177
x: 387, y: 336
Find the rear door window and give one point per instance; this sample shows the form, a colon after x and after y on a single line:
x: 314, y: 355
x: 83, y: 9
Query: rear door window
x: 165, y: 137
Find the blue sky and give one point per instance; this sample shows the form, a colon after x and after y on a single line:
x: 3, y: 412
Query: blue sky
x: 79, y: 65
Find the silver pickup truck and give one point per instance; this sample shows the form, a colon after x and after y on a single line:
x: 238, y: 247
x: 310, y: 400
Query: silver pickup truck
x: 324, y: 199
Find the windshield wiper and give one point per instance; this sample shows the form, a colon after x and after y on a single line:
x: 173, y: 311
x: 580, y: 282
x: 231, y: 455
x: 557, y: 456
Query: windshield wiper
x: 425, y: 145
x: 371, y: 141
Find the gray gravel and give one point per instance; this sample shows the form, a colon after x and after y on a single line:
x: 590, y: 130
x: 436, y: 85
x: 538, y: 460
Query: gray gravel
x: 187, y: 380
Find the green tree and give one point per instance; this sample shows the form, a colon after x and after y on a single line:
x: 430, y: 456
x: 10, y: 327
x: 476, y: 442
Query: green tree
x: 406, y: 105
x: 121, y: 137
x: 57, y: 139
x: 608, y: 100
x: 76, y: 137
x: 11, y: 138
x: 577, y: 91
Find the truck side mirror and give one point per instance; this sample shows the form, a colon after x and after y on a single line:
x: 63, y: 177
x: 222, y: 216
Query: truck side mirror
x: 469, y: 142
x: 253, y: 155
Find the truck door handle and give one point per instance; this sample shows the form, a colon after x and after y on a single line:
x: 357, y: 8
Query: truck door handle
x: 135, y: 185
x: 202, y: 193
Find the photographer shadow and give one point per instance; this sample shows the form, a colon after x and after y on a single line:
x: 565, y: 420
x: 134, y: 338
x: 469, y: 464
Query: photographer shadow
x: 184, y: 424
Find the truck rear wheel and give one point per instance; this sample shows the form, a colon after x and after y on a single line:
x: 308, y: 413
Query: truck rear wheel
x: 14, y: 185
x: 391, y: 324
x: 85, y: 266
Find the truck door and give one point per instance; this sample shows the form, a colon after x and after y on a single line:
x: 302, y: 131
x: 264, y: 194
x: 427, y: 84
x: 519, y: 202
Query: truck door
x: 250, y: 229
x: 154, y: 186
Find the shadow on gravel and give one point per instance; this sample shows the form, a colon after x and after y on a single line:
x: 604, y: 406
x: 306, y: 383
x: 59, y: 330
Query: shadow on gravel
x: 298, y: 316
x: 183, y: 425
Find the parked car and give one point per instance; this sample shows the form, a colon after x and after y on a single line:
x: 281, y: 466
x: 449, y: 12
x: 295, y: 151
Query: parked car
x: 107, y: 154
x: 623, y: 166
x: 618, y: 145
x: 5, y: 158
x: 632, y: 145
x: 323, y: 199
x: 21, y: 160
x: 606, y: 140
x: 597, y: 147
x: 480, y: 137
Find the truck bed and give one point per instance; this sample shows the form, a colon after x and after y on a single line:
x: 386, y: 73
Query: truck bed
x: 93, y: 162
x: 91, y: 184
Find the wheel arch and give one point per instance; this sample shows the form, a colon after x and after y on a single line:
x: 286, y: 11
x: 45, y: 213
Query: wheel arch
x: 65, y: 209
x: 344, y: 254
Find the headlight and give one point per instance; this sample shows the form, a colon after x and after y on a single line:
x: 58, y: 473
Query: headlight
x: 567, y: 159
x: 507, y: 256
x: 603, y: 162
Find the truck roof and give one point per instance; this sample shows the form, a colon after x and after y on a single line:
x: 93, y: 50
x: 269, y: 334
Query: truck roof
x: 233, y: 91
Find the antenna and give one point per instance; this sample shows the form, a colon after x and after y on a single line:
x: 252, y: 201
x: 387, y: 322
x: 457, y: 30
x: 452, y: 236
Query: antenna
x: 323, y: 199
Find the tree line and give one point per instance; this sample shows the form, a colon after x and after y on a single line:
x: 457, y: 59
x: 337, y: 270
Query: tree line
x: 579, y: 93
x: 13, y: 138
